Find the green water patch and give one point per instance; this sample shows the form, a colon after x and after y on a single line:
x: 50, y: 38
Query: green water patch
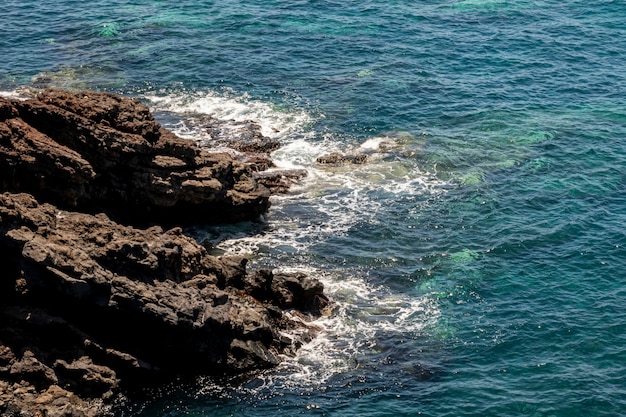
x: 308, y: 25
x: 385, y: 173
x: 443, y: 329
x: 532, y: 138
x: 143, y: 51
x: 452, y: 280
x: 468, y: 148
x: 174, y: 19
x: 472, y: 177
x: 537, y: 165
x: 446, y: 273
x: 63, y: 77
x: 396, y: 85
x: 78, y: 78
x: 109, y: 29
x: 464, y: 256
x: 504, y: 164
x: 433, y: 288
x: 480, y: 4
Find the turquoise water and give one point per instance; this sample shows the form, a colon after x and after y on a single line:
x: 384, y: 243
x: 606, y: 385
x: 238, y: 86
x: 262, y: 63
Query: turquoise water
x: 477, y: 260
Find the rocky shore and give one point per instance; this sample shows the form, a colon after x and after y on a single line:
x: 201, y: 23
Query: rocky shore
x: 101, y: 292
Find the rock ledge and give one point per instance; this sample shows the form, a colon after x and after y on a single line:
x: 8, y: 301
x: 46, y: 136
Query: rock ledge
x: 103, y: 152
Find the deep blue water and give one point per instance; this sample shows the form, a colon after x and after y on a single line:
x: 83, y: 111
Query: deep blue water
x: 477, y: 260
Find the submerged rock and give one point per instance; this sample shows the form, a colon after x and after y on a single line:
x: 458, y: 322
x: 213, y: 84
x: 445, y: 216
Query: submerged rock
x: 380, y: 147
x: 243, y: 136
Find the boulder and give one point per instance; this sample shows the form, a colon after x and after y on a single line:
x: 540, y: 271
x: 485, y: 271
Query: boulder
x: 243, y: 136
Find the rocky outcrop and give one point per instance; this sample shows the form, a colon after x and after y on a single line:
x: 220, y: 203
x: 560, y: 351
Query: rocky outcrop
x: 95, y: 299
x: 386, y: 146
x: 248, y: 139
x: 252, y: 148
x: 280, y: 181
x: 336, y: 159
x: 103, y: 152
x: 90, y: 306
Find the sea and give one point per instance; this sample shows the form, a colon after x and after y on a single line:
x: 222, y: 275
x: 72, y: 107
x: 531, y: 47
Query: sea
x: 476, y: 260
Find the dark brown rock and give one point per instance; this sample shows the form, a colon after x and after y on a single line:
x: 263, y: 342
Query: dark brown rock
x: 28, y: 367
x: 336, y: 159
x: 90, y: 307
x: 280, y: 181
x: 243, y: 136
x: 86, y: 378
x: 97, y: 150
x: 22, y: 400
x: 120, y: 113
x: 287, y: 291
x: 94, y: 306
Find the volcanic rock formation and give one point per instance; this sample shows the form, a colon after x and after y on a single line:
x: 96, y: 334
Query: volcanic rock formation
x: 96, y: 297
x: 103, y: 152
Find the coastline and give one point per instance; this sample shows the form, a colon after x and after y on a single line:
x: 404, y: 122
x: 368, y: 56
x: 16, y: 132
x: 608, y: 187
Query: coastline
x: 103, y: 291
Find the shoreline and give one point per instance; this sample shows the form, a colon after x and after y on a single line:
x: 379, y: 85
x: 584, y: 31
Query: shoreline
x: 85, y: 173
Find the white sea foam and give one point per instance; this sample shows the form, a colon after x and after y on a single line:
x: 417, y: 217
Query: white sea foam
x: 335, y: 199
x: 328, y: 203
x: 363, y: 313
x: 231, y: 107
x: 374, y: 143
x: 19, y: 94
x: 9, y: 94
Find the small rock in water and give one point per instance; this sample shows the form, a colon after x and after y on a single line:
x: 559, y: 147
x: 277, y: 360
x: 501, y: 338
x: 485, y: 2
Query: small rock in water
x: 337, y: 159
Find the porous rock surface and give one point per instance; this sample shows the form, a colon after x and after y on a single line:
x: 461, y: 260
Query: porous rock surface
x: 91, y: 306
x: 103, y: 152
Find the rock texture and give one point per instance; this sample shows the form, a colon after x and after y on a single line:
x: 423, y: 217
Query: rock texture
x: 105, y: 152
x: 252, y: 148
x: 90, y: 306
x: 337, y: 159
